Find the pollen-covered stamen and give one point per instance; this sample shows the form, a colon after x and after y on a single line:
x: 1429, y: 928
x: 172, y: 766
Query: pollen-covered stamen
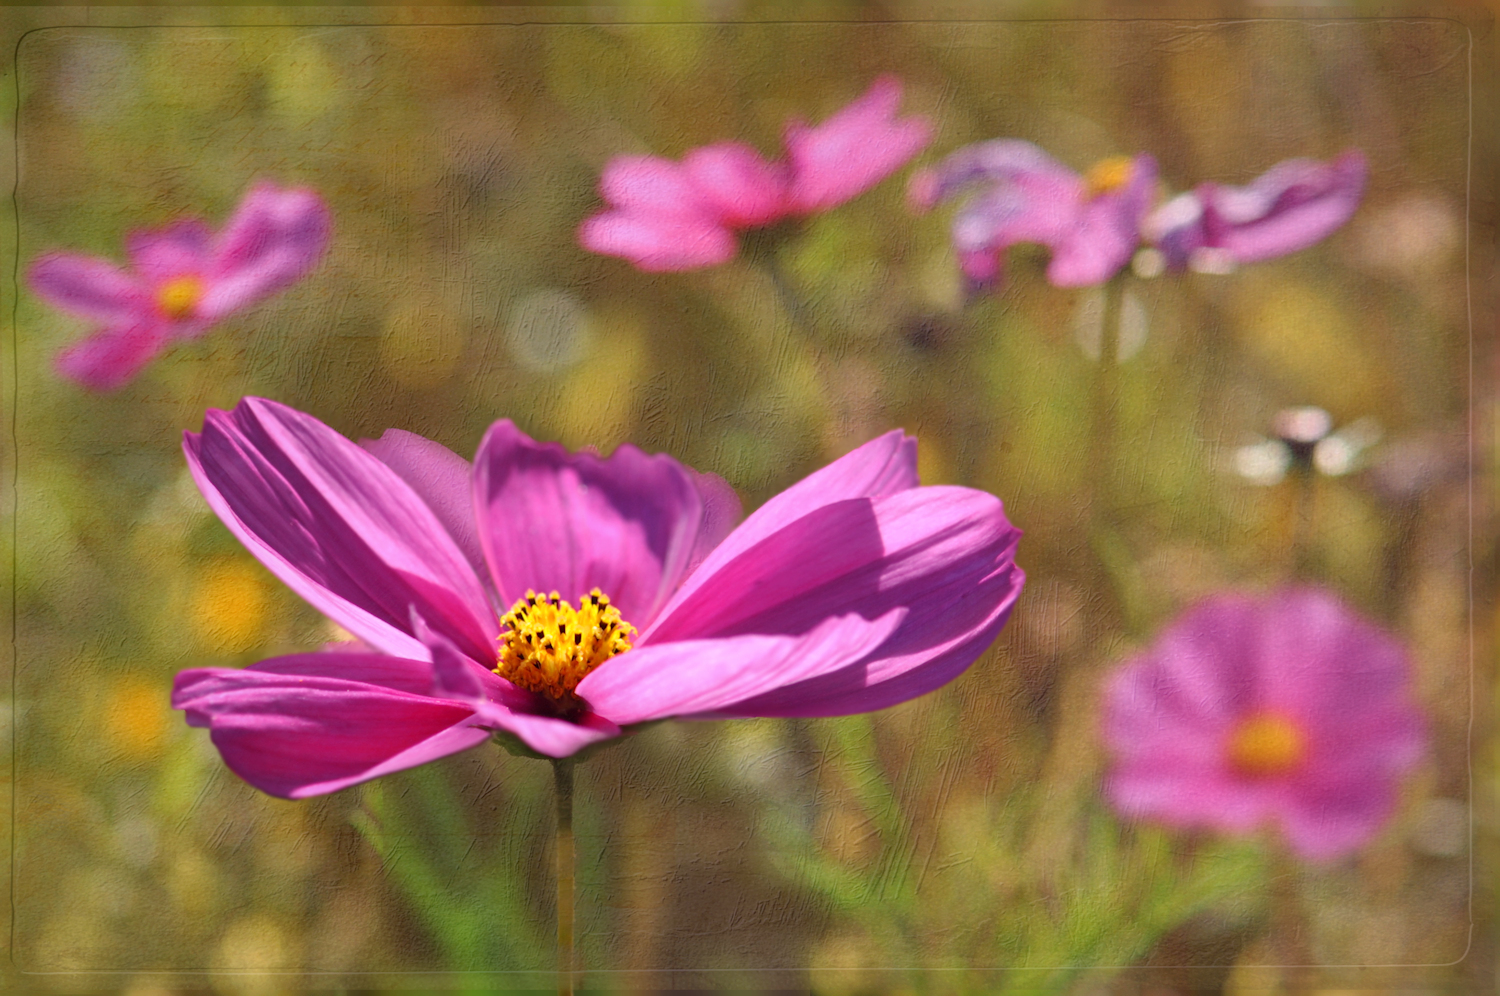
x: 548, y: 646
x: 1264, y: 745
x: 1108, y: 175
x: 178, y: 297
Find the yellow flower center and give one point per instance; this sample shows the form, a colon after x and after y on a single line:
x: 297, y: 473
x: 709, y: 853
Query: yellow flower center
x: 1108, y: 175
x: 550, y: 646
x: 1266, y: 745
x: 178, y: 297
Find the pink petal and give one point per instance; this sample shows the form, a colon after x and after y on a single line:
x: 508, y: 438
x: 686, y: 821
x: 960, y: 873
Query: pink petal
x: 1140, y: 725
x: 1000, y: 218
x: 1332, y: 812
x: 948, y: 560
x: 701, y: 676
x: 1319, y: 659
x: 339, y: 527
x: 944, y: 554
x: 1201, y: 673
x: 826, y: 546
x: 629, y: 523
x: 89, y: 287
x: 442, y: 479
x: 854, y: 149
x: 659, y: 243
x: 315, y: 723
x: 549, y: 734
x: 1192, y: 793
x: 498, y: 704
x: 1331, y: 825
x: 1146, y: 714
x: 741, y: 187
x: 913, y: 662
x: 651, y: 186
x: 1293, y: 205
x: 274, y: 238
x: 1107, y: 231
x: 109, y: 359
x: 1001, y: 161
x: 183, y: 248
x: 884, y: 465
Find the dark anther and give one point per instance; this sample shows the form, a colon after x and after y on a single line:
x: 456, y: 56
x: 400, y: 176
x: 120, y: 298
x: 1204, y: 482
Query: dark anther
x: 577, y: 639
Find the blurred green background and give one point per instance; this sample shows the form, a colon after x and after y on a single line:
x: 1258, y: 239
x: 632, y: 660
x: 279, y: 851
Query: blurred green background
x: 956, y: 843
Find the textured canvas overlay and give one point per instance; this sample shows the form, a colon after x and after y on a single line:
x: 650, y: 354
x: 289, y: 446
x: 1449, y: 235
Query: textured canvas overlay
x: 724, y: 497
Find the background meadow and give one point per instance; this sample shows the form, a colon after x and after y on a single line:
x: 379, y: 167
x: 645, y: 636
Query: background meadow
x: 958, y: 842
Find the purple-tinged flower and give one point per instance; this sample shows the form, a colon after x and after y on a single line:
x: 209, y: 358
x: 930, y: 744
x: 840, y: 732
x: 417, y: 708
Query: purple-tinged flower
x: 563, y: 597
x: 180, y: 281
x: 667, y: 215
x: 1290, y: 207
x: 1288, y: 709
x: 1091, y: 222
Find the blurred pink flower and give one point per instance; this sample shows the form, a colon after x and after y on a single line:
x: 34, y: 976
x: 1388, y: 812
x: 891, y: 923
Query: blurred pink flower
x: 1090, y: 222
x: 1290, y: 709
x: 851, y: 591
x: 666, y: 215
x: 1290, y: 207
x: 180, y: 281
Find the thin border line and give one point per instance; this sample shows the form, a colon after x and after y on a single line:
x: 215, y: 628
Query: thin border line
x: 1164, y: 18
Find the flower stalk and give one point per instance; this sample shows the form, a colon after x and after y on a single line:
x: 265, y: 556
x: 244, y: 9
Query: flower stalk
x: 1107, y: 388
x: 1106, y: 402
x: 562, y: 779
x: 1302, y: 511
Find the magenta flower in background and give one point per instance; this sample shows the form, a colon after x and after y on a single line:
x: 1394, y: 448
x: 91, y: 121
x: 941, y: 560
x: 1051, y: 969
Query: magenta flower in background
x: 1288, y: 709
x: 1091, y: 222
x: 667, y: 215
x: 180, y: 281
x: 1290, y: 207
x: 565, y: 596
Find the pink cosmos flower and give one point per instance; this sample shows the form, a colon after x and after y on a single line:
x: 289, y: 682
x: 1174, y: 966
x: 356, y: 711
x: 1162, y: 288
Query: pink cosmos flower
x: 1289, y: 709
x: 181, y: 280
x: 1090, y: 222
x: 563, y: 597
x: 666, y: 215
x: 1290, y: 207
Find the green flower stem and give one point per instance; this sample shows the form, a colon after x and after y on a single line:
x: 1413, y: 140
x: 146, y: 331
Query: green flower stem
x: 562, y: 775
x: 1106, y: 401
x: 1303, y: 482
x: 1103, y: 528
x: 791, y: 302
x: 761, y: 249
